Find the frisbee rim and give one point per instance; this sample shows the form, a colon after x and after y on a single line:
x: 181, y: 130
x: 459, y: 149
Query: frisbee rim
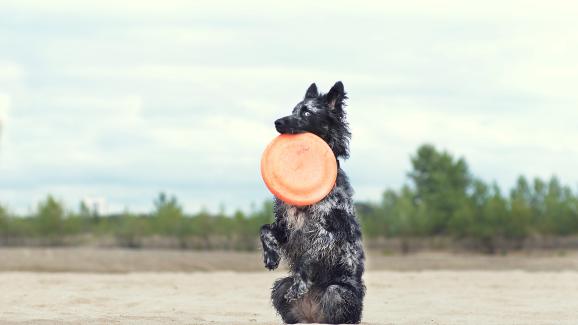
x: 293, y: 196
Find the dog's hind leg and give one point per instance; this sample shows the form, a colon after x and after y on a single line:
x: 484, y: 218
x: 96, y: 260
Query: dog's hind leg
x: 283, y: 306
x: 342, y: 302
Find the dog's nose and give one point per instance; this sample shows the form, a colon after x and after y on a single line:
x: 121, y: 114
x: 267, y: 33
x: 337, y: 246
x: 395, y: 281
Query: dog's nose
x: 278, y: 123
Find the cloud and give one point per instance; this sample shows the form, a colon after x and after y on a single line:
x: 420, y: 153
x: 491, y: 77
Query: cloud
x: 4, y: 108
x: 180, y: 96
x: 10, y: 71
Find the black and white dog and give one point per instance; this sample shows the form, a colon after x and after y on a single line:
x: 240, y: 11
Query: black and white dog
x: 321, y: 242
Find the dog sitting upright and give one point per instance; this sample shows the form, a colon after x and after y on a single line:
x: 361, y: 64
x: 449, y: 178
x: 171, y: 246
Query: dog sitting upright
x: 321, y: 242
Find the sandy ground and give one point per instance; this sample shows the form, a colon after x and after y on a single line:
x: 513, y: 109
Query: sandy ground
x: 430, y: 297
x: 91, y: 286
x: 95, y: 260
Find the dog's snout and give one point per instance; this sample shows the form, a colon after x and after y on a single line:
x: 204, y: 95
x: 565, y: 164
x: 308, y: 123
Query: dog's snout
x: 286, y: 125
x: 279, y: 123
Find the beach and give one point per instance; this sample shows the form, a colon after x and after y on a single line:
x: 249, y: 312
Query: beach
x: 502, y: 293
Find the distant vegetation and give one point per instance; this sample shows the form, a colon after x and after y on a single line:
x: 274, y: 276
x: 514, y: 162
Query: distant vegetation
x: 441, y: 200
x: 444, y: 199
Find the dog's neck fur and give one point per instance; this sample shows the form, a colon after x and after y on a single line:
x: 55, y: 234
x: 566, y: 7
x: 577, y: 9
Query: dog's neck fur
x: 338, y: 135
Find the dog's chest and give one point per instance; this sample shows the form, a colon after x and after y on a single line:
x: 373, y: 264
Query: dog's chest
x: 299, y: 217
x: 304, y: 225
x: 296, y: 217
x: 305, y: 218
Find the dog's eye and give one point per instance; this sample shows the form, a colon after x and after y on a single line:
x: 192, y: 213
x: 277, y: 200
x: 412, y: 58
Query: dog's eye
x: 306, y: 113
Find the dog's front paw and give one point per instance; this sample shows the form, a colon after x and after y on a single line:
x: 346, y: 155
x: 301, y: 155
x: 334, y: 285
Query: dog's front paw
x: 271, y: 259
x: 296, y: 291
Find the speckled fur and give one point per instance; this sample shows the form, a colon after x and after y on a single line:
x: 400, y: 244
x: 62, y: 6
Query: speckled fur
x: 321, y: 242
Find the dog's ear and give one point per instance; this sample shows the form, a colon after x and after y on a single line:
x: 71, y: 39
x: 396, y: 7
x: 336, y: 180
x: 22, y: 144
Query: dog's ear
x: 336, y: 96
x: 311, y: 91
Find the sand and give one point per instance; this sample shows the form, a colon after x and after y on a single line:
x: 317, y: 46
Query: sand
x: 428, y: 297
x: 115, y: 260
x: 112, y: 286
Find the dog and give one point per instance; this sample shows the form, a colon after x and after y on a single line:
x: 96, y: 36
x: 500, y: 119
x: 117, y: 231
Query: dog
x: 320, y: 242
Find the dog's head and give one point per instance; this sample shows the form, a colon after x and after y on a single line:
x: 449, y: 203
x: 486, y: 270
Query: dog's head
x: 322, y: 115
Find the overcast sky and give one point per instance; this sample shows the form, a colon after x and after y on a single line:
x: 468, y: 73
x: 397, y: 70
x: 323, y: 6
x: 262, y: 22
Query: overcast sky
x: 106, y: 99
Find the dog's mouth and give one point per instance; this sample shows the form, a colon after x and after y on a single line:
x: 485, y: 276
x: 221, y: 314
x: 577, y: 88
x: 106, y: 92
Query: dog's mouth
x: 287, y: 129
x: 288, y: 125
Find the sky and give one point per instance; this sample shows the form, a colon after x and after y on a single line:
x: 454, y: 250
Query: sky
x: 118, y: 100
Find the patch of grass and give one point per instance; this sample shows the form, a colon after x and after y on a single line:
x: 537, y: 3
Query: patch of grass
x: 387, y: 252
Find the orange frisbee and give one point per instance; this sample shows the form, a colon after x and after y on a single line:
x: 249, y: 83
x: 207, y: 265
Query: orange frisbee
x: 300, y: 169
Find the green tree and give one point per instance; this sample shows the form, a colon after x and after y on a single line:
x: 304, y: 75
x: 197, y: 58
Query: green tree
x: 537, y: 203
x: 130, y: 229
x: 49, y: 217
x: 520, y: 209
x: 4, y: 220
x: 168, y: 215
x: 441, y: 183
x: 559, y: 209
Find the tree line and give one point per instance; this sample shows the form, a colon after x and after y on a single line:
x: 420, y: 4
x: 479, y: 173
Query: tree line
x: 166, y: 226
x: 443, y: 198
x: 440, y: 199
